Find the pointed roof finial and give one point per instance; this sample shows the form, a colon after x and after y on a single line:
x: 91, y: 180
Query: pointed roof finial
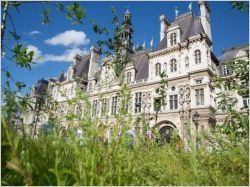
x: 176, y: 11
x: 127, y: 11
x: 190, y: 7
x: 152, y: 42
x: 144, y: 44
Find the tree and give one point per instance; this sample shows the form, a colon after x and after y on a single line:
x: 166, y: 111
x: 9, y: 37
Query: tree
x: 13, y: 103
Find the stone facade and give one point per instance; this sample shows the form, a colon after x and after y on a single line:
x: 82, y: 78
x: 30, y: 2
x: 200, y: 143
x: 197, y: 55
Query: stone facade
x: 185, y: 53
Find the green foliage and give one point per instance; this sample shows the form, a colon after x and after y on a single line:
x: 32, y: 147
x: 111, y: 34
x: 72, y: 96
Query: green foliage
x: 62, y: 158
x: 240, y: 5
x: 76, y: 13
x: 239, y: 81
x: 22, y: 56
x: 67, y: 160
x: 60, y: 7
x: 235, y: 129
x: 161, y: 91
x: 113, y: 45
x: 45, y: 16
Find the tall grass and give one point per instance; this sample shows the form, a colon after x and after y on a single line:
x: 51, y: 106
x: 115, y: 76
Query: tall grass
x: 54, y: 159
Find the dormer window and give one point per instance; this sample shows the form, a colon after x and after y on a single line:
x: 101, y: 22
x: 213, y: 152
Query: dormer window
x: 157, y: 69
x: 198, y: 81
x: 173, y: 39
x: 129, y: 77
x: 197, y: 55
x: 173, y: 65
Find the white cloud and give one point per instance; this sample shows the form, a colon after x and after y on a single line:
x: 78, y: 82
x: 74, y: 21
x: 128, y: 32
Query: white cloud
x: 37, y: 53
x: 69, y: 38
x: 34, y: 32
x: 67, y: 56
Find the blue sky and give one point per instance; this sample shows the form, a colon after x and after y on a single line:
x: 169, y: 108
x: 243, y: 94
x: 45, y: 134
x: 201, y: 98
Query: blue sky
x: 229, y: 28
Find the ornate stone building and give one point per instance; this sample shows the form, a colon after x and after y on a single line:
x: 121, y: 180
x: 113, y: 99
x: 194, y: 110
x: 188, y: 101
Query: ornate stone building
x: 185, y: 53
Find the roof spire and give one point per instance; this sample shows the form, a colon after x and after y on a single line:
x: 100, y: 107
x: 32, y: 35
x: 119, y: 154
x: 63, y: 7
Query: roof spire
x: 144, y: 44
x: 127, y: 11
x: 190, y: 7
x: 152, y: 42
x: 176, y: 11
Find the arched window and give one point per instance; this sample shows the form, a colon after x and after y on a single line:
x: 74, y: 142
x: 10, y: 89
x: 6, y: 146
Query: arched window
x: 173, y: 65
x: 166, y: 134
x: 197, y: 55
x: 173, y: 39
x: 157, y: 69
x: 128, y: 77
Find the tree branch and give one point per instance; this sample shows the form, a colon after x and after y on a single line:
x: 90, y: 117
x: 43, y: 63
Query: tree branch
x: 3, y: 22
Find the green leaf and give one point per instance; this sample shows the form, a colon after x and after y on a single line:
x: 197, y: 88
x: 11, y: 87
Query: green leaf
x: 22, y: 57
x: 60, y: 7
x: 76, y: 13
x: 20, y: 85
x: 45, y: 14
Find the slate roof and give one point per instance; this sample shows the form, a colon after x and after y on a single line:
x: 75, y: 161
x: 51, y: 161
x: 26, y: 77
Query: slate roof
x: 141, y: 65
x: 189, y: 24
x: 82, y: 68
x: 61, y: 77
x: 40, y: 88
x: 230, y: 53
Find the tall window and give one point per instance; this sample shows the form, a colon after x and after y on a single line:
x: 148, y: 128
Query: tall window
x: 173, y: 100
x: 90, y: 87
x: 94, y: 107
x: 173, y: 65
x: 225, y: 70
x: 199, y: 95
x: 157, y: 104
x: 128, y: 77
x: 104, y: 106
x: 197, y: 55
x: 114, y: 105
x: 138, y: 102
x: 173, y: 39
x: 245, y: 102
x: 157, y: 69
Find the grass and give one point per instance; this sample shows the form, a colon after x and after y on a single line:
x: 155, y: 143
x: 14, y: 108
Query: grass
x: 66, y: 160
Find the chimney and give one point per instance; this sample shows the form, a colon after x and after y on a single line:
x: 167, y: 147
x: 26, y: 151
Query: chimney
x: 205, y: 18
x: 93, y: 64
x: 164, y: 23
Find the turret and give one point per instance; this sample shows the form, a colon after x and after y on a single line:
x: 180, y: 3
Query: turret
x: 127, y: 31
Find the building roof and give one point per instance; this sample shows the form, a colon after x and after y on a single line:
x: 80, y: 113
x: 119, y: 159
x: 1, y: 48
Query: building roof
x: 189, y: 24
x: 82, y: 68
x: 231, y: 53
x: 61, y: 77
x: 141, y: 65
x: 40, y: 88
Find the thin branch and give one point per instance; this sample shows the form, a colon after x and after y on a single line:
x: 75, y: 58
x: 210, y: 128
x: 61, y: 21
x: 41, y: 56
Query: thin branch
x: 3, y: 22
x: 14, y: 28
